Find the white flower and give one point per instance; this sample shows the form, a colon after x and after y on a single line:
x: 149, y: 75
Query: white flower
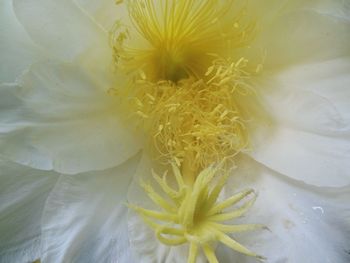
x: 68, y: 159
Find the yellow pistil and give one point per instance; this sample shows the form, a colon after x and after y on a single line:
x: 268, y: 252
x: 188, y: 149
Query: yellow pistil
x: 192, y: 214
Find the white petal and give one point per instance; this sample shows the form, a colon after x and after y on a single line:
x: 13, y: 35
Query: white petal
x: 23, y: 192
x: 311, y: 139
x: 143, y: 241
x: 105, y: 12
x: 60, y: 118
x: 317, y: 95
x: 17, y: 51
x: 307, y: 224
x: 60, y: 27
x: 85, y: 217
x: 315, y: 159
x: 305, y: 33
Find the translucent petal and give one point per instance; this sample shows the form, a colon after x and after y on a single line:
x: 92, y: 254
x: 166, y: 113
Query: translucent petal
x: 304, y: 34
x: 105, y: 12
x: 59, y: 118
x: 23, y: 192
x: 309, y: 141
x: 17, y: 51
x: 60, y: 27
x: 85, y: 217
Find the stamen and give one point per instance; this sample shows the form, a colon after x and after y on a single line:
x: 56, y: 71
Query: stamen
x: 181, y: 36
x: 197, y: 120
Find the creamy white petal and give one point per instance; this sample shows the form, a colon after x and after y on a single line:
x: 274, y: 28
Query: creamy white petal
x: 17, y: 51
x: 317, y: 95
x: 23, y: 192
x: 143, y: 241
x: 85, y: 217
x: 307, y: 224
x: 316, y: 159
x: 60, y: 27
x: 303, y: 31
x: 105, y: 12
x: 310, y: 139
x: 271, y: 9
x: 59, y: 118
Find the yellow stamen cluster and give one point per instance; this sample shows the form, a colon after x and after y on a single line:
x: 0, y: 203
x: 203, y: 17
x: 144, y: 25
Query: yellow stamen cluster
x: 193, y: 117
x: 192, y: 214
x: 184, y: 92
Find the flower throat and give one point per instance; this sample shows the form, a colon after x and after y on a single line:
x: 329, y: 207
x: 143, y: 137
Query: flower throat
x: 182, y: 37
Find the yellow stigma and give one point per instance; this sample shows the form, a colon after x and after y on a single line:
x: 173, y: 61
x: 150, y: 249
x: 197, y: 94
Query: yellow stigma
x: 181, y: 36
x: 192, y: 214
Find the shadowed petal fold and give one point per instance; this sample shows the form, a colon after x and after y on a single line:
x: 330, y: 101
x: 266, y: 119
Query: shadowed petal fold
x: 59, y: 118
x: 23, y: 193
x: 85, y: 217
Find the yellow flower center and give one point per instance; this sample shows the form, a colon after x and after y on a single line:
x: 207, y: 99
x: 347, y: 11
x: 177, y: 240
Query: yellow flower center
x: 189, y: 79
x: 187, y: 85
x: 182, y: 36
x: 196, y: 119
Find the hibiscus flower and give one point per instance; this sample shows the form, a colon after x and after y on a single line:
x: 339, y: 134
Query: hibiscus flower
x: 237, y: 100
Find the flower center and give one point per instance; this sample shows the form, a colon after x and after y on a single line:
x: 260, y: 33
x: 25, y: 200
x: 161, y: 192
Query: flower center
x: 186, y: 91
x: 200, y: 120
x: 169, y: 64
x: 182, y: 36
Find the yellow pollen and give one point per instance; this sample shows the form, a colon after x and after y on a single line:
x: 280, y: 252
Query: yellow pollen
x: 192, y: 214
x: 200, y: 118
